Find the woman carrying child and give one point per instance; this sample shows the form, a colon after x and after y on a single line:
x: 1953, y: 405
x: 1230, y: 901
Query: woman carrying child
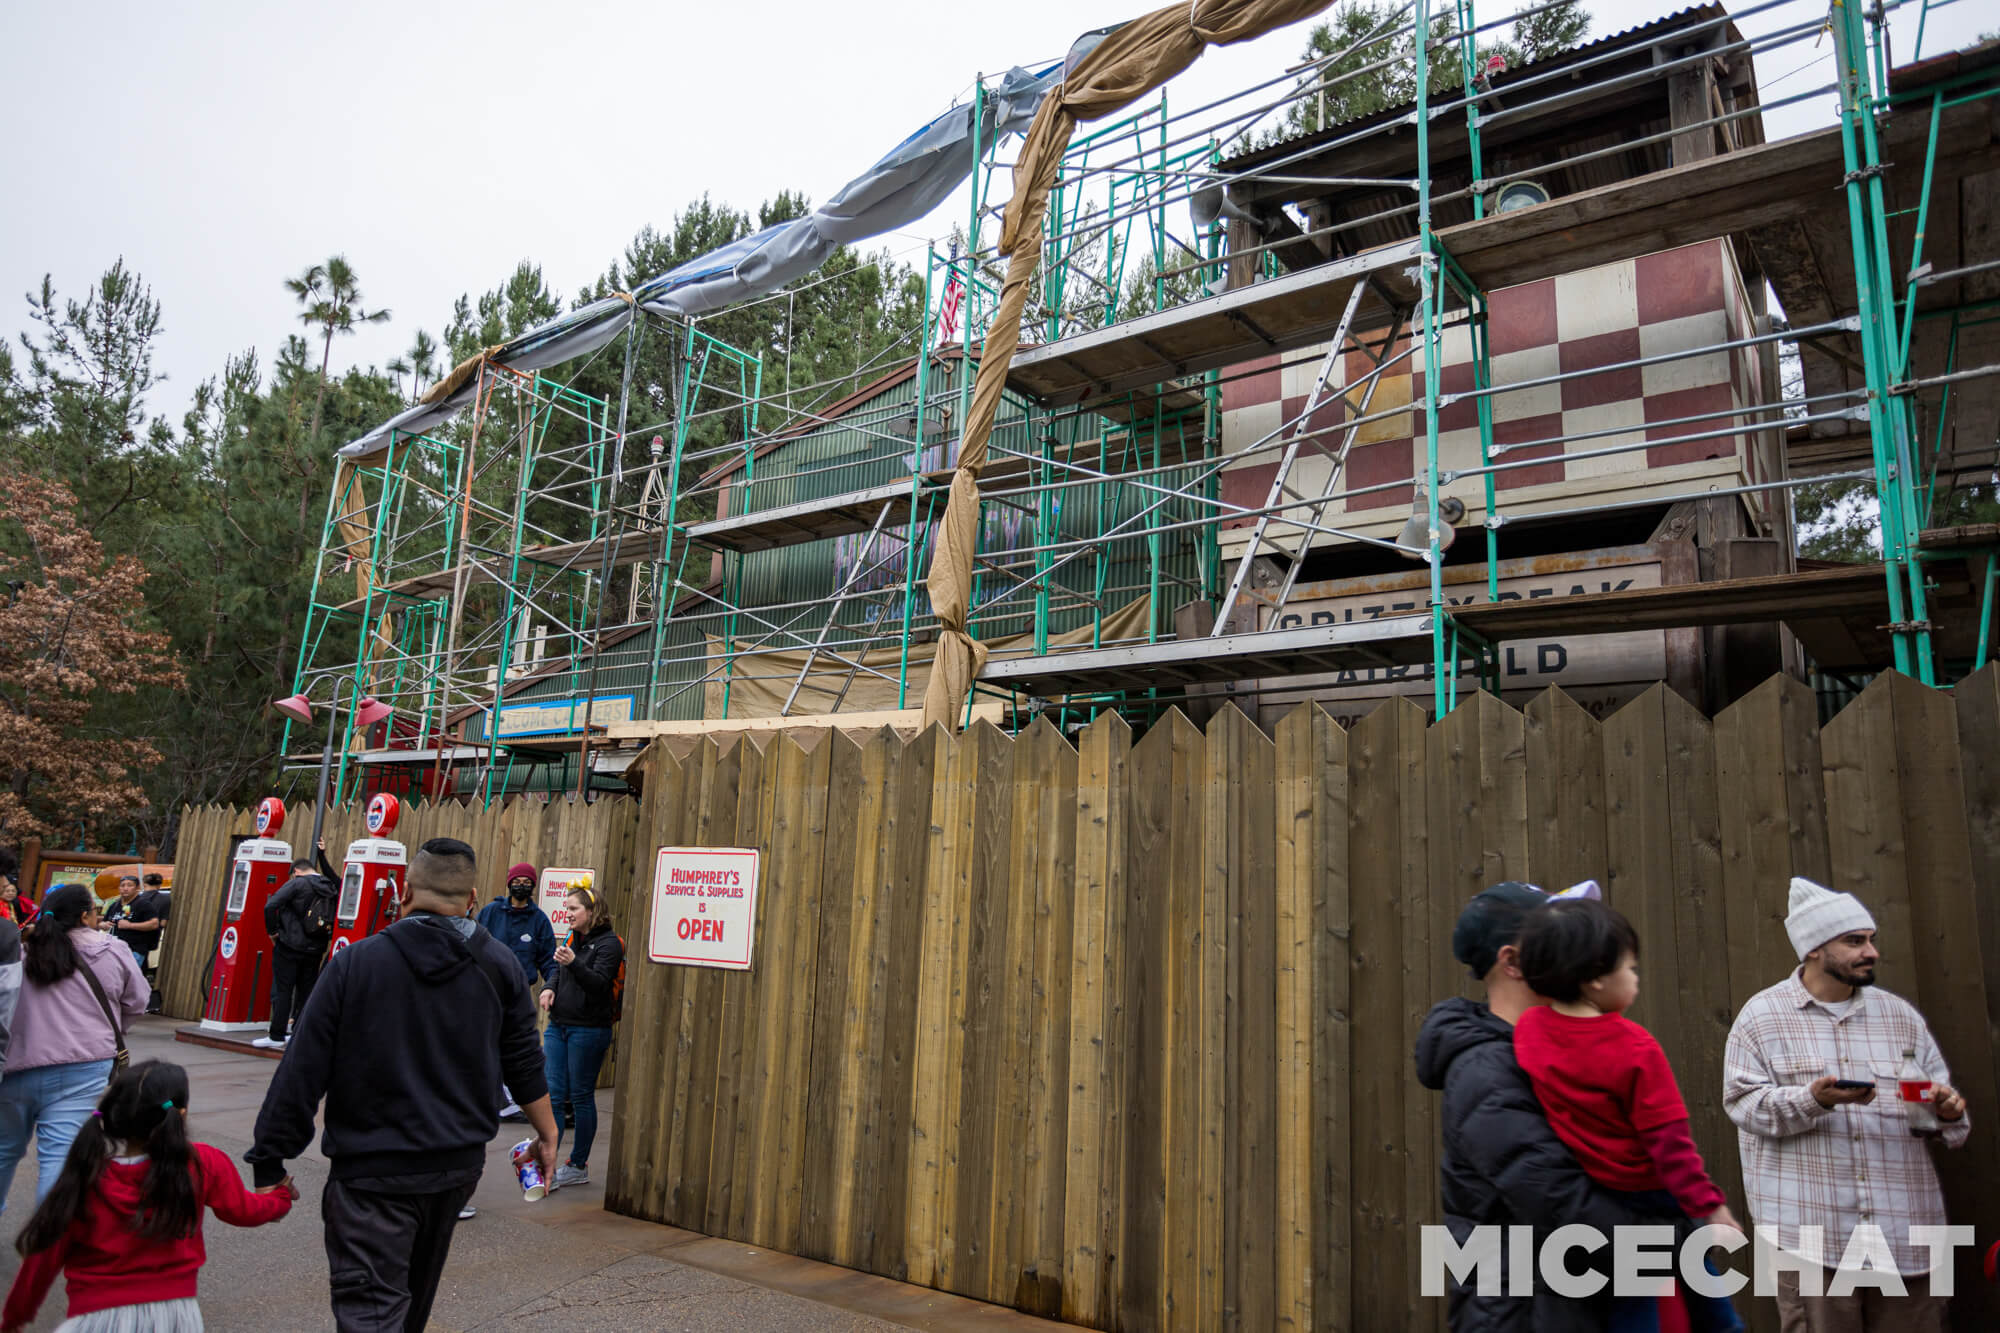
x: 124, y: 1218
x: 1606, y: 1085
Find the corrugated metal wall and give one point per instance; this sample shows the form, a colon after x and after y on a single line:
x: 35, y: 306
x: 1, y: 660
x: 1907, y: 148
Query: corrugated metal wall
x: 785, y: 595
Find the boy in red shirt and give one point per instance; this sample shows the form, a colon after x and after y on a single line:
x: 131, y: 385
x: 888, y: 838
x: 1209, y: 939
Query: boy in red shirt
x: 1604, y: 1082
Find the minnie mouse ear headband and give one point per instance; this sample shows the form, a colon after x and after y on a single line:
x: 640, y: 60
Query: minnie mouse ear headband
x: 1492, y: 920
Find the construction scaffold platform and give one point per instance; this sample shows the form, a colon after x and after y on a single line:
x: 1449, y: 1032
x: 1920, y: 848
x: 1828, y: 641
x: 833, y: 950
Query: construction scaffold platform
x: 672, y: 530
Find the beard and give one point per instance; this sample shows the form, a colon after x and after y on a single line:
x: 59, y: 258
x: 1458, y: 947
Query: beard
x: 1852, y: 976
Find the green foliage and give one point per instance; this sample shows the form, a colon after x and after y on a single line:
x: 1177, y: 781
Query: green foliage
x: 1341, y: 84
x: 845, y: 324
x: 224, y: 510
x: 222, y: 513
x: 1838, y: 521
x: 80, y: 413
x: 1146, y: 292
x: 329, y: 295
x: 509, y: 310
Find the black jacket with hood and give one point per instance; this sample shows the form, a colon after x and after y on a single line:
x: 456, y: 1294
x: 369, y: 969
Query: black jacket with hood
x: 286, y: 911
x: 1503, y: 1165
x: 406, y: 1036
x: 290, y: 912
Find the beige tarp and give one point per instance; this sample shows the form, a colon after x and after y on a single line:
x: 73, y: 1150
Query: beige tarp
x: 1128, y: 64
x: 766, y: 698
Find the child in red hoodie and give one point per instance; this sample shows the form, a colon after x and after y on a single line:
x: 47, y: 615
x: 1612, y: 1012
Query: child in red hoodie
x: 124, y: 1217
x: 1605, y: 1084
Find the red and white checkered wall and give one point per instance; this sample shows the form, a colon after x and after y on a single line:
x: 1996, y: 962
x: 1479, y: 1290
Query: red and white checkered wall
x: 1676, y: 300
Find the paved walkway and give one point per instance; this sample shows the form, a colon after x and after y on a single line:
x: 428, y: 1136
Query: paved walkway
x: 563, y: 1263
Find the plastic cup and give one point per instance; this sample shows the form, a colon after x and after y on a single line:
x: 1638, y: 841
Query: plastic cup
x: 529, y: 1171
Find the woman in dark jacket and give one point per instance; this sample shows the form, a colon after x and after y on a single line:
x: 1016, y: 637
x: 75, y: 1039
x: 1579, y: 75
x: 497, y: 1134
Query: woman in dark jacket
x: 582, y: 1004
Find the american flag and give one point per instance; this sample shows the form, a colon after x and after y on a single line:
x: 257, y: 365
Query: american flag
x: 949, y: 310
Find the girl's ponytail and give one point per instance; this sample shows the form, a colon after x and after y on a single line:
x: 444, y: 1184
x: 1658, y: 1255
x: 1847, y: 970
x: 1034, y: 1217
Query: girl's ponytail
x: 169, y: 1204
x: 143, y: 1109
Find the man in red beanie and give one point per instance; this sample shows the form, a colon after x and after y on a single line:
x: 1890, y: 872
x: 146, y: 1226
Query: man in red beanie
x: 524, y: 928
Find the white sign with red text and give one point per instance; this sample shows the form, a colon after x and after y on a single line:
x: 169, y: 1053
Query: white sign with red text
x: 556, y: 887
x: 704, y: 906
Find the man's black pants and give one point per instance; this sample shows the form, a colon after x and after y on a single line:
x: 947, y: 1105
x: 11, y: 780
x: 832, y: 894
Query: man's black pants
x: 292, y: 978
x: 385, y: 1253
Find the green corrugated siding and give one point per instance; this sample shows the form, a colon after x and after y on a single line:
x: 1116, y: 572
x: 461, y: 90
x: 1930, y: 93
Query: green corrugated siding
x: 855, y: 453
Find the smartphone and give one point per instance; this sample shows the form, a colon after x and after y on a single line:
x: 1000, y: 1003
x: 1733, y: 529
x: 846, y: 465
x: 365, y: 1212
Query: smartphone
x: 1853, y: 1084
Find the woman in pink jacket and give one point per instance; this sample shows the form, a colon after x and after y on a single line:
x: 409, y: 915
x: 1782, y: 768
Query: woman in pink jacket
x: 66, y: 1032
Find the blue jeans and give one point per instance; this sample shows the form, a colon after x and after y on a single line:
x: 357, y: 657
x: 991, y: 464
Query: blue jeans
x: 571, y: 1057
x: 50, y: 1102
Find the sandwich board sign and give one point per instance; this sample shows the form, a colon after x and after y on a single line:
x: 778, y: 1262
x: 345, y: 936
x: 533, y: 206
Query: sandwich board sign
x: 704, y: 907
x: 553, y: 896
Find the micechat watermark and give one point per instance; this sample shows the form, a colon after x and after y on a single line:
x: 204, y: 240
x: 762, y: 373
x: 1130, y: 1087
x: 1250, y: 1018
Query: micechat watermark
x: 1645, y: 1260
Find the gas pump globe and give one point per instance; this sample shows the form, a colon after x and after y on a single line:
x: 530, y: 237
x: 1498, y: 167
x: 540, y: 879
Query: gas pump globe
x: 372, y: 882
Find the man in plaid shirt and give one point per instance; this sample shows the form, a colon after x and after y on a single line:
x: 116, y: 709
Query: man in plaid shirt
x: 1818, y: 1155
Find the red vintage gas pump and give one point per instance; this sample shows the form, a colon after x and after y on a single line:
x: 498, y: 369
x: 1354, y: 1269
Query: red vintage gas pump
x: 239, y: 984
x: 372, y: 883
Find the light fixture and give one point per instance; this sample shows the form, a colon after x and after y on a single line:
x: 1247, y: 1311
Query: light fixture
x: 296, y: 707
x: 1211, y: 202
x: 365, y: 712
x: 1517, y: 195
x: 937, y: 421
x: 371, y: 710
x: 1414, y: 540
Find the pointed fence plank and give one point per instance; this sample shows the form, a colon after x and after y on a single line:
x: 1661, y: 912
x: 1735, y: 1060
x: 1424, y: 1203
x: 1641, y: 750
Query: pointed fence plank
x: 1978, y: 701
x: 1896, y: 752
x: 1770, y: 796
x: 1103, y: 819
x: 1310, y: 834
x: 1241, y: 801
x: 735, y: 995
x: 1697, y: 976
x: 901, y: 863
x: 932, y: 1101
x: 1160, y: 1052
x: 1030, y: 1147
x: 1120, y: 1030
x: 1565, y: 791
x: 840, y: 1033
x: 1642, y: 838
x: 1382, y: 831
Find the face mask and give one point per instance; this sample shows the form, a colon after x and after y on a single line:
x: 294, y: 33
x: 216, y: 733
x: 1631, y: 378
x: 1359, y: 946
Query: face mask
x: 520, y: 893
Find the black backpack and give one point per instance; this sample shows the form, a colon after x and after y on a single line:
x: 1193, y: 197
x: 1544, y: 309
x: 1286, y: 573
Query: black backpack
x: 313, y: 912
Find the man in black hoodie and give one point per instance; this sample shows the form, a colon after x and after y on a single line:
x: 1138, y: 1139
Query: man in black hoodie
x: 405, y: 1036
x: 1503, y: 1165
x: 299, y: 917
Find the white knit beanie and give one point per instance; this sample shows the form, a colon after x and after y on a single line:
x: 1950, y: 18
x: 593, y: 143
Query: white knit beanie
x: 1819, y: 914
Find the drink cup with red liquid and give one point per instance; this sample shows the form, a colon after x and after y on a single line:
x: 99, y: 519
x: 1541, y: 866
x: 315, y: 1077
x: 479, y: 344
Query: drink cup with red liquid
x: 1914, y: 1087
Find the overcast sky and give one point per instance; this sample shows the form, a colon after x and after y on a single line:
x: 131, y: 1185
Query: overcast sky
x: 220, y: 147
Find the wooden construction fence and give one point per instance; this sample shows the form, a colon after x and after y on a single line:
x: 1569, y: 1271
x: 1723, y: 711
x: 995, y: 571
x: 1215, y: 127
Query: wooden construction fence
x: 559, y: 832
x: 1122, y: 1032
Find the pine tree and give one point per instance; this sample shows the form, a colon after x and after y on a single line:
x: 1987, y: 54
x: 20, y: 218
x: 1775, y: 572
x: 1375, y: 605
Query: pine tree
x: 1340, y: 86
x: 330, y: 295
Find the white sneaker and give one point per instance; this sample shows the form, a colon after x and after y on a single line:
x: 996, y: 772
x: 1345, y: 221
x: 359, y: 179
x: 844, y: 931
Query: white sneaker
x: 270, y: 1044
x: 511, y: 1111
x: 467, y: 1212
x: 568, y: 1174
